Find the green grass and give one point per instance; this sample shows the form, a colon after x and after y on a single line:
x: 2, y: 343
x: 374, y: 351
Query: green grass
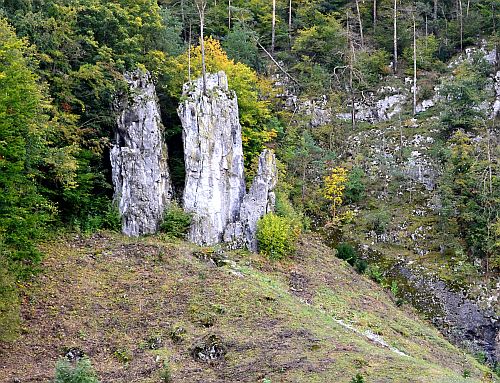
x: 278, y: 320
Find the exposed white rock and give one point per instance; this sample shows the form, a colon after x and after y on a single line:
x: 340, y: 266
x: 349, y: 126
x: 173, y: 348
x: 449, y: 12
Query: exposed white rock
x: 259, y: 201
x: 496, y: 103
x: 215, y: 186
x: 424, y: 105
x: 213, y: 154
x: 139, y: 158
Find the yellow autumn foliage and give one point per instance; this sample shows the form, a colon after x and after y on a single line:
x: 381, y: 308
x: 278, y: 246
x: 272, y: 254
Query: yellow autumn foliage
x: 253, y: 92
x: 334, y: 186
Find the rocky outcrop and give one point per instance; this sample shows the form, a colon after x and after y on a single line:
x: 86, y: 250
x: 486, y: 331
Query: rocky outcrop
x: 213, y: 155
x: 259, y: 201
x: 139, y: 158
x: 461, y: 319
x: 214, y: 191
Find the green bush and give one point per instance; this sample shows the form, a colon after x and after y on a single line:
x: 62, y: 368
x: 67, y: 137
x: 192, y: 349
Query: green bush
x: 285, y: 209
x: 166, y: 373
x: 358, y: 379
x: 375, y: 274
x: 346, y: 252
x: 355, y: 188
x: 82, y: 372
x: 176, y: 222
x: 378, y: 221
x: 276, y: 236
x: 372, y: 66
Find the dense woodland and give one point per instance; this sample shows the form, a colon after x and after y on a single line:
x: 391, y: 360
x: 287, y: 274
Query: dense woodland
x: 62, y: 65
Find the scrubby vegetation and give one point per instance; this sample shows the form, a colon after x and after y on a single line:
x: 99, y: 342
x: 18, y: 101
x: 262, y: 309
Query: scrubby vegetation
x: 420, y: 186
x: 81, y: 372
x: 175, y: 222
x: 276, y: 236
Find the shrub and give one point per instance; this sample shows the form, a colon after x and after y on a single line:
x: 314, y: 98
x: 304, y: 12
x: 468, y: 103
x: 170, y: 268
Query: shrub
x: 358, y: 379
x: 378, y: 221
x: 355, y: 188
x: 276, y: 236
x: 176, y: 222
x: 375, y: 274
x: 346, y: 252
x: 285, y: 209
x: 82, y: 372
x: 166, y: 373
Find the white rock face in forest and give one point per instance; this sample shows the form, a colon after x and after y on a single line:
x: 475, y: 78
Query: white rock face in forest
x: 213, y: 152
x: 260, y: 199
x: 139, y: 159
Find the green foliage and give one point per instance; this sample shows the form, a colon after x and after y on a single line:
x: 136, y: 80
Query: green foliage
x: 427, y: 49
x: 240, y: 45
x: 276, y: 236
x: 25, y: 153
x: 372, y: 67
x: 166, y: 373
x: 355, y: 188
x: 324, y: 42
x: 378, y: 221
x: 358, y: 379
x: 169, y: 40
x: 463, y: 96
x: 123, y: 355
x: 175, y: 222
x: 285, y: 209
x: 258, y: 125
x: 346, y: 252
x: 468, y: 203
x: 82, y: 372
x: 375, y: 273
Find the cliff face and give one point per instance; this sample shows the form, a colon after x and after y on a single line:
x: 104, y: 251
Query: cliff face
x: 215, y: 186
x: 139, y: 159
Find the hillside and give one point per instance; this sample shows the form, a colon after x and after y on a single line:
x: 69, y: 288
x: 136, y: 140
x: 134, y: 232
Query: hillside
x: 132, y: 305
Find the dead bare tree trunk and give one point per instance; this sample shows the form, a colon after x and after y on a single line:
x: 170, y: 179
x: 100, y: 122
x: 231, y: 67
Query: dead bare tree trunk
x: 374, y: 15
x: 189, y: 53
x: 414, y: 66
x: 273, y: 27
x: 290, y: 23
x: 183, y: 18
x: 395, y: 18
x: 461, y: 15
x: 360, y: 25
x: 201, y: 5
x: 426, y: 29
x: 351, y: 87
x: 229, y: 14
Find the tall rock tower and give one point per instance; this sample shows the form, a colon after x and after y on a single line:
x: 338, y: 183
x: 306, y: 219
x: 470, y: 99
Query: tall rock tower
x: 139, y: 158
x: 213, y: 155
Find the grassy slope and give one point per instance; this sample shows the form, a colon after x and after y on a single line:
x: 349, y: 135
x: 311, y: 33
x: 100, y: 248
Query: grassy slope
x: 108, y: 295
